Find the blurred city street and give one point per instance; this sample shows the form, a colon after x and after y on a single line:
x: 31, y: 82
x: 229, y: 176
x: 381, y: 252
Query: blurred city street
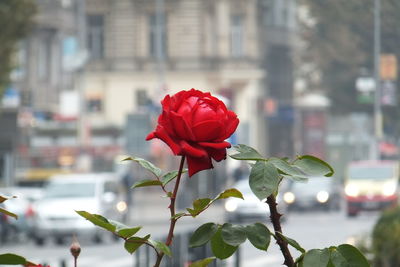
x: 150, y: 211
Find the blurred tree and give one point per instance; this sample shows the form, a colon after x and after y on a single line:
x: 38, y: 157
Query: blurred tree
x: 16, y: 20
x: 338, y: 42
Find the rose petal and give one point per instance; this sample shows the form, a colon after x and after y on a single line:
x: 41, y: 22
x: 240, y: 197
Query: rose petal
x: 204, y: 113
x: 219, y: 145
x: 230, y: 127
x: 208, y: 131
x: 217, y: 154
x: 192, y: 151
x: 162, y: 134
x: 198, y: 164
x: 180, y: 127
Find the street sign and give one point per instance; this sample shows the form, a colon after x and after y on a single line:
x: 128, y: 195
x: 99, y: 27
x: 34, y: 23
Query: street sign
x: 388, y: 93
x: 388, y: 67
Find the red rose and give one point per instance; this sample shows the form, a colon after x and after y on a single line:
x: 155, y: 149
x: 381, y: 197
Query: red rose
x: 195, y: 124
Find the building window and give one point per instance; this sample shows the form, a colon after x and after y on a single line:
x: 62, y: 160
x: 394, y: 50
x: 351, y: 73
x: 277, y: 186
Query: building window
x: 237, y: 36
x: 95, y: 36
x: 157, y: 36
x: 94, y: 103
x: 43, y: 58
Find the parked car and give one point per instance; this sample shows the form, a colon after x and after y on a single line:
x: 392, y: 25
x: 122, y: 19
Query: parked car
x: 251, y: 208
x: 322, y: 193
x: 55, y: 216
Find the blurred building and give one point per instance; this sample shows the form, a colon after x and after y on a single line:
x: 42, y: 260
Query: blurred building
x: 141, y: 50
x: 278, y: 31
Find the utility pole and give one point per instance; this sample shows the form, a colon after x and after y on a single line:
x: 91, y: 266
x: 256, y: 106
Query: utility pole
x: 160, y: 45
x: 378, y: 134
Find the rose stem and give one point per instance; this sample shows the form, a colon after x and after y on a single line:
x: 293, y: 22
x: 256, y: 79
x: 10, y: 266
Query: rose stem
x: 275, y: 219
x: 172, y: 211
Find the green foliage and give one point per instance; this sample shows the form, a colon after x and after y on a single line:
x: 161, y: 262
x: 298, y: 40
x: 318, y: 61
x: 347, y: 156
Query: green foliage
x: 147, y: 165
x: 2, y: 199
x: 133, y: 243
x: 342, y: 256
x: 264, y: 179
x: 203, y: 234
x: 258, y: 235
x: 233, y: 235
x: 292, y: 242
x: 13, y: 259
x: 161, y: 247
x: 313, y: 166
x: 202, y: 263
x: 228, y: 237
x: 144, y: 183
x: 246, y: 153
x: 199, y: 205
x: 386, y: 239
x: 220, y: 248
x: 16, y: 19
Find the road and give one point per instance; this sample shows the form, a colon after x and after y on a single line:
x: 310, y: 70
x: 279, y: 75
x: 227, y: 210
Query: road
x: 311, y: 230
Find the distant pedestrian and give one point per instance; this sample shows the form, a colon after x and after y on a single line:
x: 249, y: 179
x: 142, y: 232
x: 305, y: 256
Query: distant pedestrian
x: 127, y: 181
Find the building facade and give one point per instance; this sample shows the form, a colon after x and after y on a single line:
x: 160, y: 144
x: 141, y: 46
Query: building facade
x: 145, y: 49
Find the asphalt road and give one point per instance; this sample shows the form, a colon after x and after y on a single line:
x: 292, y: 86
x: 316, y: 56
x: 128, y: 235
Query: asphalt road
x: 311, y: 230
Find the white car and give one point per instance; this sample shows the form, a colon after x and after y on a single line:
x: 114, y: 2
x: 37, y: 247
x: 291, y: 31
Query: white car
x: 251, y: 208
x: 55, y: 216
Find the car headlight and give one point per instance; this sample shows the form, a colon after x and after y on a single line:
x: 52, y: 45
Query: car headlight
x: 289, y: 197
x: 231, y: 205
x: 351, y: 190
x: 121, y: 206
x: 389, y: 189
x: 322, y: 196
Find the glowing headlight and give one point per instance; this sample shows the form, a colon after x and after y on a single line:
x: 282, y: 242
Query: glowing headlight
x: 322, y: 196
x: 289, y: 197
x: 121, y: 206
x: 389, y: 189
x: 351, y: 190
x: 231, y: 205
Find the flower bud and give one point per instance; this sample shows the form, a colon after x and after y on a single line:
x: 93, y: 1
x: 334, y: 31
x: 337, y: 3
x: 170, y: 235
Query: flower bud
x: 75, y: 248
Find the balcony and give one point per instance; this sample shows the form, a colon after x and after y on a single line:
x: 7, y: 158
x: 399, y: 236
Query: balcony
x: 55, y: 14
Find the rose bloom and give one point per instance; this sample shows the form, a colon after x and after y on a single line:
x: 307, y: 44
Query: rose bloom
x: 195, y: 124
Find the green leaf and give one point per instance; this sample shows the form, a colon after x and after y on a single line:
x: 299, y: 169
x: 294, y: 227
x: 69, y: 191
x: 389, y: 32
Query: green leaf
x: 313, y: 166
x: 133, y: 243
x: 246, y: 153
x: 230, y: 193
x: 233, y: 235
x: 9, y: 213
x: 202, y: 263
x: 198, y: 206
x: 168, y: 177
x: 264, y: 179
x: 12, y: 259
x: 285, y: 167
x: 292, y: 242
x: 161, y: 247
x: 98, y: 220
x: 203, y: 234
x: 258, y: 235
x: 316, y: 258
x: 144, y: 183
x: 178, y: 215
x: 221, y: 249
x: 4, y: 198
x: 347, y: 255
x: 147, y: 165
x: 128, y: 232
